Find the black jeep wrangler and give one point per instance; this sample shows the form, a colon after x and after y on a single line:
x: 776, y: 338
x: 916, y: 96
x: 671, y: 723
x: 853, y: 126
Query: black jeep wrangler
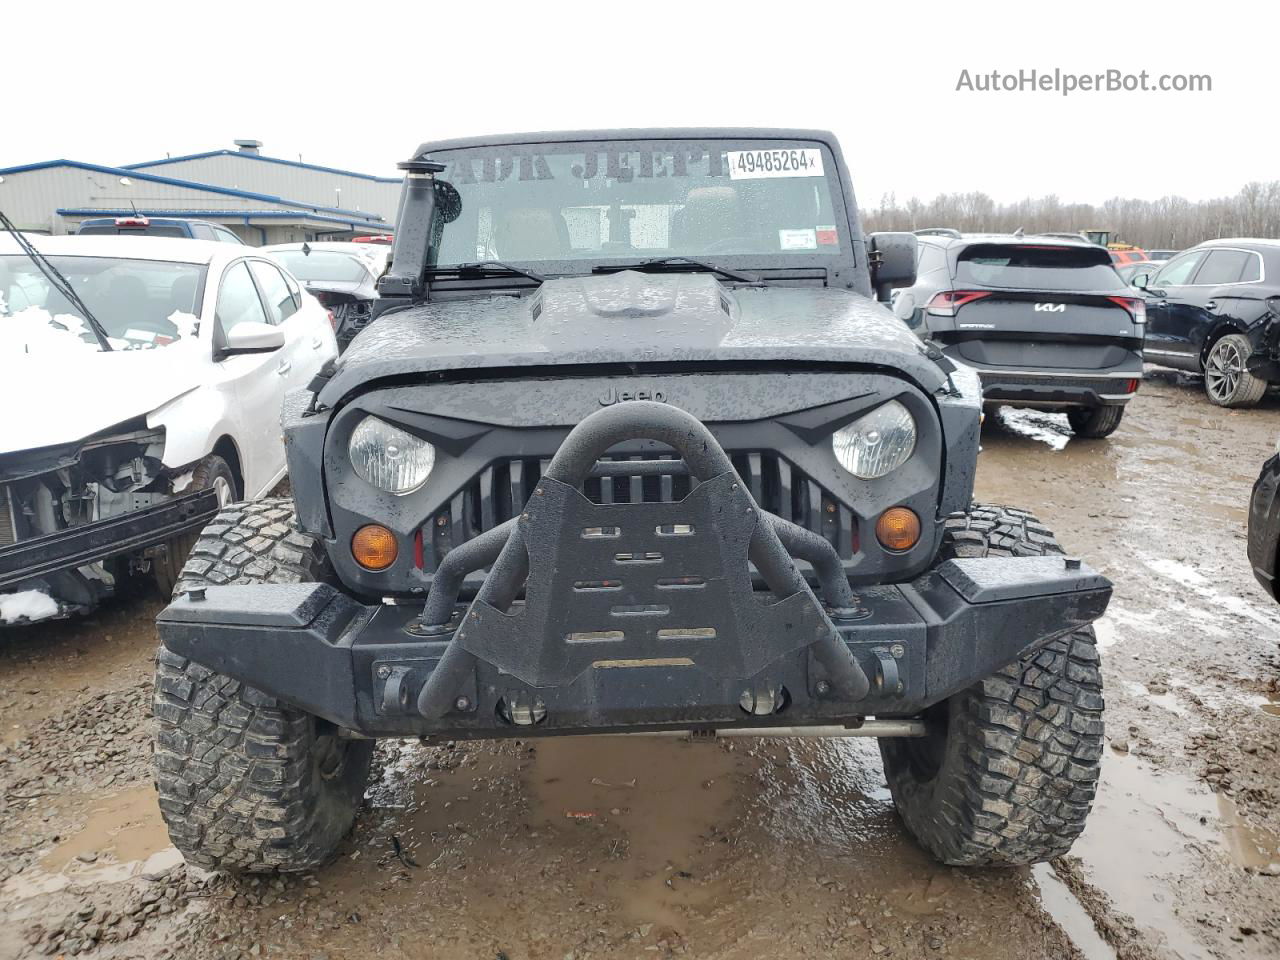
x: 631, y: 447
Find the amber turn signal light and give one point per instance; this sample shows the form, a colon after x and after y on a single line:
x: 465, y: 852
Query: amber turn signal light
x: 898, y: 529
x: 374, y: 547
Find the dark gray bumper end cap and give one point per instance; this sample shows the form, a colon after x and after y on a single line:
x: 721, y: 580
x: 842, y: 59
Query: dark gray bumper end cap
x: 264, y: 605
x: 991, y: 579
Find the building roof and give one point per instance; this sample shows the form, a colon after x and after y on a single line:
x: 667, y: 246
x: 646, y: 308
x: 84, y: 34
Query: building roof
x: 257, y: 156
x: 167, y: 249
x: 242, y: 216
x: 187, y: 184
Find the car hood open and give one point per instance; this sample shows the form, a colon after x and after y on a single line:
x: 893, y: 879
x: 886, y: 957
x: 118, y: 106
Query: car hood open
x: 629, y: 318
x: 52, y: 399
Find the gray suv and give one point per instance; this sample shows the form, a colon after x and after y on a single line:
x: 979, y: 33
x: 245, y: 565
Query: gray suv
x: 1046, y: 321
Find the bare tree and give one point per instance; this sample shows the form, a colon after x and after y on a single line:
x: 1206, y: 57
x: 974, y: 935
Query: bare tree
x: 1167, y: 223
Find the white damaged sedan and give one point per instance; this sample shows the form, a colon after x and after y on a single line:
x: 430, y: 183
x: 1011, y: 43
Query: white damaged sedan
x: 126, y: 429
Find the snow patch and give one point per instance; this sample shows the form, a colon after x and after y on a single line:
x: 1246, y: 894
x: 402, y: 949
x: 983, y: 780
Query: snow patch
x: 26, y: 605
x: 186, y: 324
x: 181, y: 483
x: 1217, y: 601
x: 1104, y: 629
x: 1175, y: 571
x: 35, y: 330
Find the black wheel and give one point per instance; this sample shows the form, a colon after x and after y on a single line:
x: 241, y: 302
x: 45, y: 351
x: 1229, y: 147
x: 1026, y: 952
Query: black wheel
x: 247, y: 783
x: 1094, y: 422
x: 166, y: 565
x: 1226, y: 380
x: 1009, y: 768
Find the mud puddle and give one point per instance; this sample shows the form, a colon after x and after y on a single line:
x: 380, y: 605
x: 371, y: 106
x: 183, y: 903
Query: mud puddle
x: 121, y: 836
x: 665, y: 795
x: 1152, y: 830
x: 124, y: 828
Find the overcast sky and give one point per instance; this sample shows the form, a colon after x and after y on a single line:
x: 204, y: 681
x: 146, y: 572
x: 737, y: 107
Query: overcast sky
x: 359, y: 84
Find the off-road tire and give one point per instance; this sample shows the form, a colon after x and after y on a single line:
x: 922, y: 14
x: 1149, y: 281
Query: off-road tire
x: 1094, y: 422
x: 166, y: 565
x: 247, y: 783
x: 1008, y: 772
x: 1239, y: 389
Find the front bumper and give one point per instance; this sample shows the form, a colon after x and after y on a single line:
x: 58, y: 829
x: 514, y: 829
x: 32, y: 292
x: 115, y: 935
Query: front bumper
x: 635, y: 616
x: 363, y: 667
x: 90, y: 542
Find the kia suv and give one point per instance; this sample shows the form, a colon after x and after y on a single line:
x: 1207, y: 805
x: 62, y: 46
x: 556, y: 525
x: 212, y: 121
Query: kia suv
x: 1046, y: 321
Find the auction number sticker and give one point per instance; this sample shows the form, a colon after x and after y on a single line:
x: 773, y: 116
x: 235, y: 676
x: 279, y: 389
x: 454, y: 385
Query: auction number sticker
x: 761, y: 164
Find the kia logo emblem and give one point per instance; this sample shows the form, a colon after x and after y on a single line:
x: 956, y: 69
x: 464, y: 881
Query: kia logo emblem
x: 1051, y: 307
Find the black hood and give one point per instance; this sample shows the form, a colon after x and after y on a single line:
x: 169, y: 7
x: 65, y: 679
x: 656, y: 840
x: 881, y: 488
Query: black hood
x: 634, y: 318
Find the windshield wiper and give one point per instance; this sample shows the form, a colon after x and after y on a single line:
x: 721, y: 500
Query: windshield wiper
x: 675, y: 261
x: 487, y: 268
x: 59, y: 283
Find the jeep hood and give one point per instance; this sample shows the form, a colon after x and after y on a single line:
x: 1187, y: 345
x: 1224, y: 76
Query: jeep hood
x: 631, y: 318
x: 52, y: 399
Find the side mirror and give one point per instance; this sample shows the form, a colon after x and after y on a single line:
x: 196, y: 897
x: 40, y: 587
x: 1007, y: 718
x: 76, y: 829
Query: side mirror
x: 892, y: 258
x: 253, y: 338
x: 1140, y: 280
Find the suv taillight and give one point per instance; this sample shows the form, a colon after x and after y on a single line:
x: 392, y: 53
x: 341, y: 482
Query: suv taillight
x: 946, y: 304
x: 1136, y: 306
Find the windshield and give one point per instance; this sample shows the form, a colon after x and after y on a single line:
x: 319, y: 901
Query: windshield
x: 1037, y: 267
x: 141, y: 303
x: 577, y: 202
x: 322, y: 265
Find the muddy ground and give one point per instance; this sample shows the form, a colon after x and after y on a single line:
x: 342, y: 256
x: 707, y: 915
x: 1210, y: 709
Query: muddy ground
x: 641, y: 848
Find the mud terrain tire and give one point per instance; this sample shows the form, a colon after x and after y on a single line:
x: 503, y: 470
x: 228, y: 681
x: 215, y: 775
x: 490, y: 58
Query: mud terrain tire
x: 166, y: 566
x: 1010, y: 767
x: 1094, y: 422
x: 247, y: 783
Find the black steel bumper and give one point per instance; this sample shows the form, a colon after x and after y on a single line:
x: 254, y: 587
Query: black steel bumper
x: 91, y: 542
x: 635, y: 616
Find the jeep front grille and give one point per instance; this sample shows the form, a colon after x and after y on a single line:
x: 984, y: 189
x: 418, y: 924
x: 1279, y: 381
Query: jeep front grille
x: 500, y: 490
x: 8, y: 534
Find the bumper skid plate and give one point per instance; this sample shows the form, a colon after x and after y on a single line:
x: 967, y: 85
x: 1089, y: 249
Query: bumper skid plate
x: 615, y: 617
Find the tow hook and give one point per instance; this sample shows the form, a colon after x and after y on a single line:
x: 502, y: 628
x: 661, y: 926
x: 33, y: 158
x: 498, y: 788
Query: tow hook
x: 887, y: 679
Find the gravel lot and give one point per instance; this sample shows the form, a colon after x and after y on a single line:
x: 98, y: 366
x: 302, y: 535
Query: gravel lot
x: 636, y: 848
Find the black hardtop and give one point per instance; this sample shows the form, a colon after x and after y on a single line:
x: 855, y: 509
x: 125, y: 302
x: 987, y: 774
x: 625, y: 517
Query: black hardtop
x: 628, y: 134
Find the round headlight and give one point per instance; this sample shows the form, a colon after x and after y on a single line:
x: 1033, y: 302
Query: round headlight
x: 877, y: 442
x: 390, y: 458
